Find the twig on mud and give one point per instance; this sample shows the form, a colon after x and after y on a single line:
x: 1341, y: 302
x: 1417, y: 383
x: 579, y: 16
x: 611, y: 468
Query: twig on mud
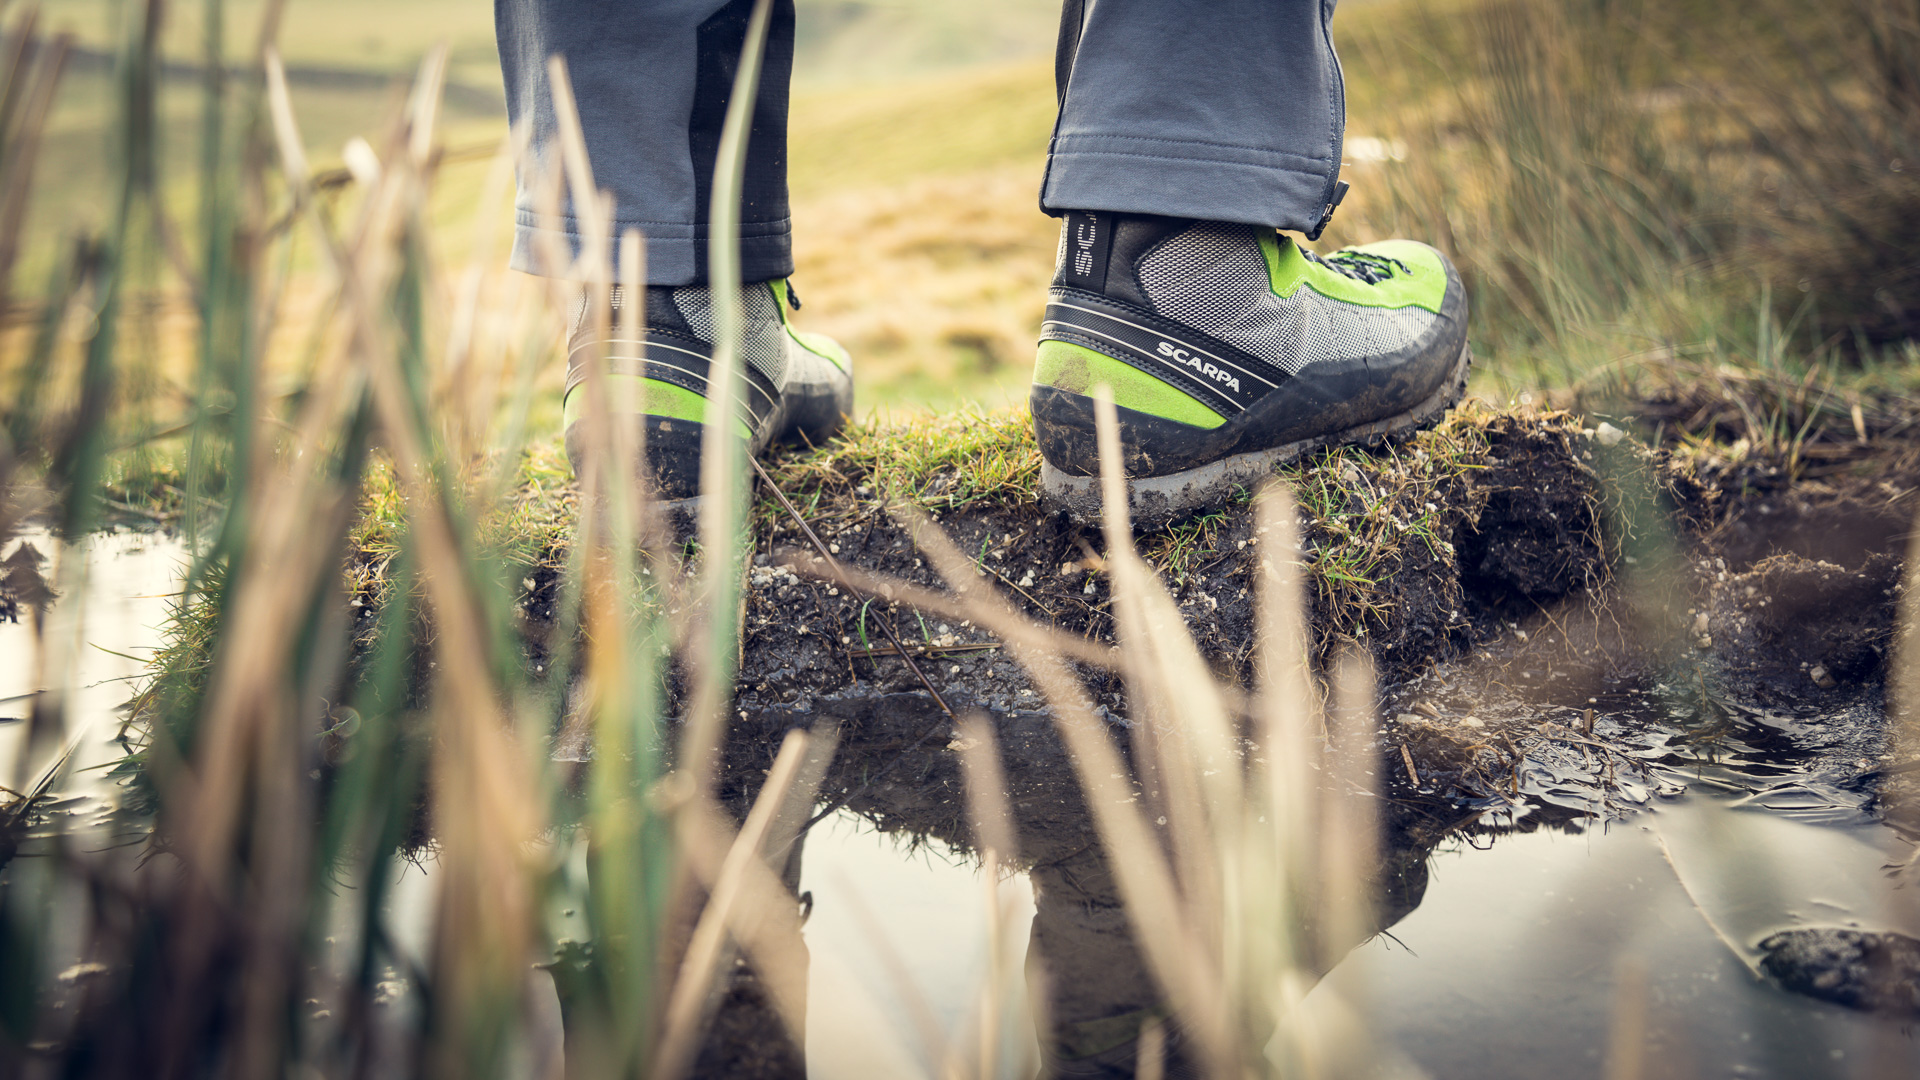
x: 921, y: 650
x: 886, y: 624
x: 1030, y: 597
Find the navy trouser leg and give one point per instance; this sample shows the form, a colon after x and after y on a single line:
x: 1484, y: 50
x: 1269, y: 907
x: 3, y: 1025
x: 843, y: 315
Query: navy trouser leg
x: 652, y: 78
x: 1226, y: 110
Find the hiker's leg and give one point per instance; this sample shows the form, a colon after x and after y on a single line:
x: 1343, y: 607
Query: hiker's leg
x: 1230, y: 110
x: 652, y: 78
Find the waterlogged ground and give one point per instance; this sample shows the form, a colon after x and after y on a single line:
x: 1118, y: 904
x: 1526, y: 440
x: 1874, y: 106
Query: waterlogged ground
x: 124, y: 599
x: 1601, y: 793
x: 1515, y: 939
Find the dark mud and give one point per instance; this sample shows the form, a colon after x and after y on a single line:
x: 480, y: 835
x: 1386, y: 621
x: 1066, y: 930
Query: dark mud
x: 1522, y: 582
x: 1517, y: 521
x: 1548, y: 569
x: 1874, y: 972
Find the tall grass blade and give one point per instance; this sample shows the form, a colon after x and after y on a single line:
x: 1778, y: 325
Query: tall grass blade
x: 723, y: 483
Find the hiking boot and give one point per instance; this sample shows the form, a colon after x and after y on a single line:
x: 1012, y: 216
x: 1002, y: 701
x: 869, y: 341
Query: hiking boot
x: 799, y: 386
x: 1230, y: 349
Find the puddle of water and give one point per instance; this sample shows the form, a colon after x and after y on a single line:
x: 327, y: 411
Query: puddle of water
x: 900, y: 944
x: 1505, y: 951
x: 1511, y: 965
x: 121, y: 619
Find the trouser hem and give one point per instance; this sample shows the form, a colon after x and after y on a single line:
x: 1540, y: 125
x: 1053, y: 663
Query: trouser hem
x: 1273, y: 194
x: 676, y: 253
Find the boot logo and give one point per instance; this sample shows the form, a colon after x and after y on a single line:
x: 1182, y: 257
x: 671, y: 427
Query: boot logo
x: 1181, y: 356
x: 1085, y: 235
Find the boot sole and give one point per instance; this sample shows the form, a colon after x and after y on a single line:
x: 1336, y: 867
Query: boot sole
x: 1158, y: 501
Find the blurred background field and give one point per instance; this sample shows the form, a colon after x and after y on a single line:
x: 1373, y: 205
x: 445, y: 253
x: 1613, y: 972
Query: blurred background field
x: 918, y: 134
x: 1631, y: 189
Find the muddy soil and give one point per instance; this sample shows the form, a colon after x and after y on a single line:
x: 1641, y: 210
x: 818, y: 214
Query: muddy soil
x: 1554, y: 611
x: 1552, y: 571
x: 1518, y: 525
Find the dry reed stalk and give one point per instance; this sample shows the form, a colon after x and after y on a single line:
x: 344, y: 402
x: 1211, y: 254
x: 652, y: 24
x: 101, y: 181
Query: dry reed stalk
x: 1288, y: 729
x: 1349, y: 827
x: 1889, y: 1053
x: 484, y: 795
x: 35, y: 103
x: 765, y: 923
x: 471, y: 393
x: 694, y: 985
x: 993, y: 830
x: 1189, y: 751
x: 1152, y: 1058
x: 1136, y: 855
x: 1627, y: 1031
x: 604, y: 470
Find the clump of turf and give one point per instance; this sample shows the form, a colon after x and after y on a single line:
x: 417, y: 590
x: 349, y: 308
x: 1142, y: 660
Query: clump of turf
x: 958, y: 461
x: 1406, y: 544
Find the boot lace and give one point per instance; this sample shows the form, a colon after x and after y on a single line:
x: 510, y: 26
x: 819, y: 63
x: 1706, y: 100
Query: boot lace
x: 1363, y: 266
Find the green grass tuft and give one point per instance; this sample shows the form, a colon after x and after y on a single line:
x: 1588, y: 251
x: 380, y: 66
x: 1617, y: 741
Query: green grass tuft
x: 969, y: 459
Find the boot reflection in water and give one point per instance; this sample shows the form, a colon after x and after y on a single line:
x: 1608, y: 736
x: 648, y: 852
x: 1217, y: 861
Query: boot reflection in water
x: 1087, y: 977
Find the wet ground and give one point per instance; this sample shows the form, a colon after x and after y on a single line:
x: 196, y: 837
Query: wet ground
x: 1633, y: 780
x: 1516, y: 934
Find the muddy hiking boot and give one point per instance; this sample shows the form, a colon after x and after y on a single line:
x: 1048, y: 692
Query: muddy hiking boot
x: 1230, y: 349
x: 799, y: 386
